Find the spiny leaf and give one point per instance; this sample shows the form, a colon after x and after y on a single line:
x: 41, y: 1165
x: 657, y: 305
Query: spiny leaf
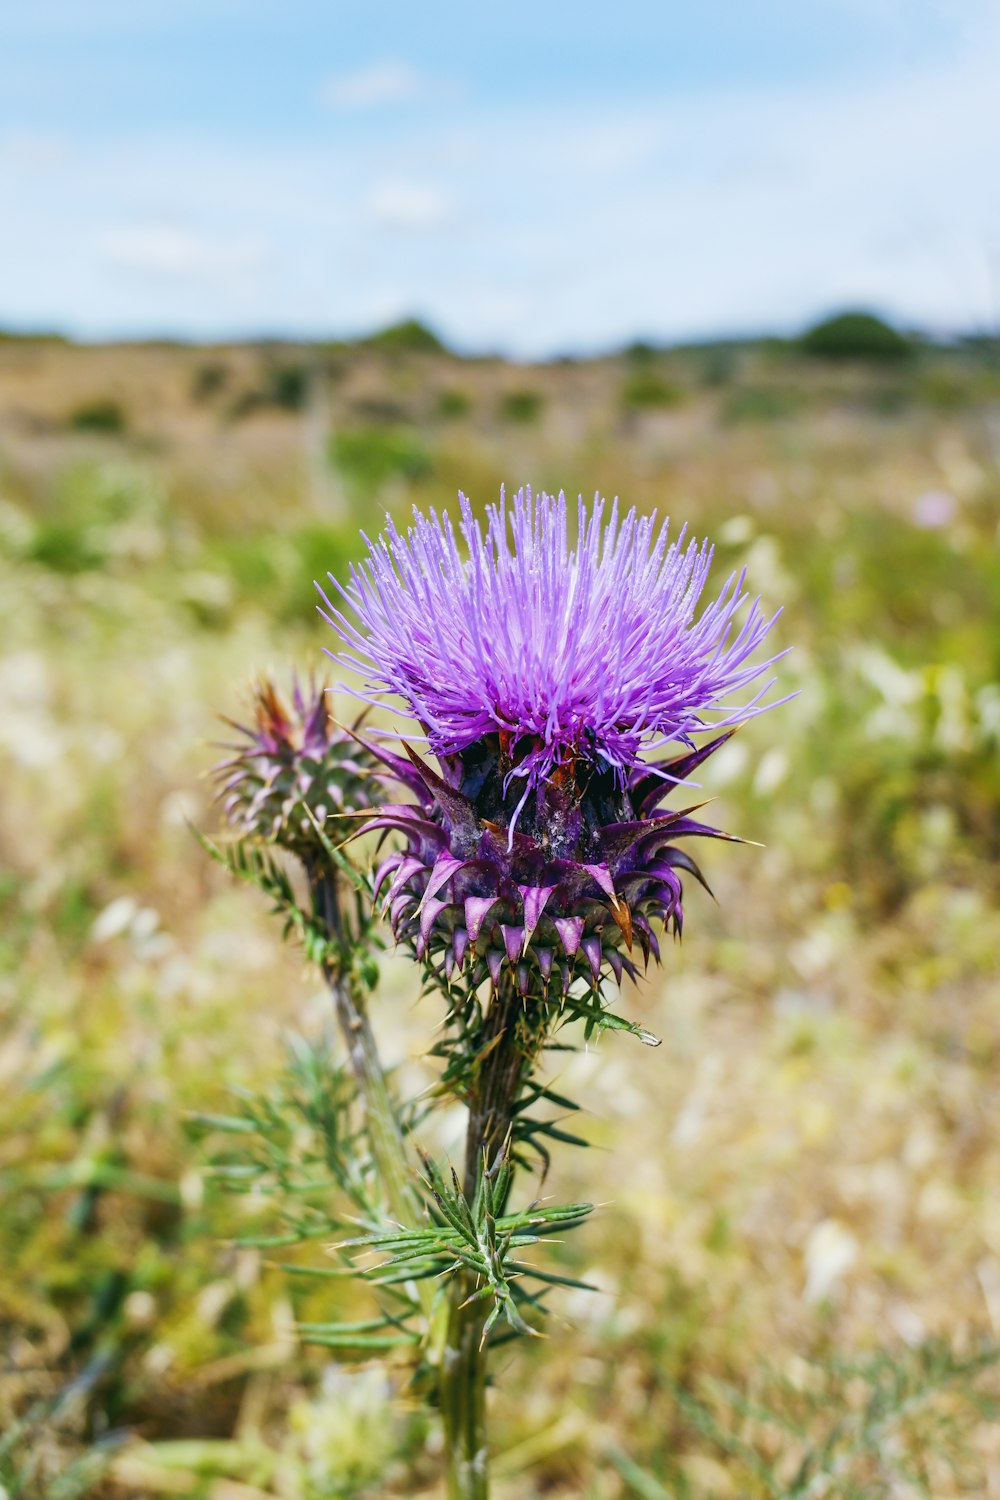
x: 473, y: 1237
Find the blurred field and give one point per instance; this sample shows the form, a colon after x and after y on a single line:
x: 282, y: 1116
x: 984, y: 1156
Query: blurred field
x: 807, y: 1166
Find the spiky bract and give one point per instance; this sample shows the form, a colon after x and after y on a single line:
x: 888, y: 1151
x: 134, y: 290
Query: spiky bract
x: 573, y: 894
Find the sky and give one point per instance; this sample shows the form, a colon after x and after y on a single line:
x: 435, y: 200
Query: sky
x: 534, y: 179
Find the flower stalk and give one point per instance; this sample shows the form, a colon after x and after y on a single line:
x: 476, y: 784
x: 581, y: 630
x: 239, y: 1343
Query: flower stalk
x: 349, y: 993
x: 463, y: 1395
x: 512, y: 1032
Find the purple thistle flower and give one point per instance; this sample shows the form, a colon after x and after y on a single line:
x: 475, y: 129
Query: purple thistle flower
x: 561, y: 648
x: 543, y: 676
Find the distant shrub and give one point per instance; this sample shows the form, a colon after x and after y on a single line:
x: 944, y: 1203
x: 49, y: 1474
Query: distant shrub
x: 101, y: 415
x: 209, y: 380
x: 646, y: 389
x: 639, y: 352
x: 283, y: 386
x: 760, y: 404
x: 855, y: 335
x: 370, y: 456
x: 411, y: 335
x: 520, y: 406
x: 17, y: 530
x: 288, y: 386
x: 875, y: 1425
x: 207, y: 596
x: 453, y: 403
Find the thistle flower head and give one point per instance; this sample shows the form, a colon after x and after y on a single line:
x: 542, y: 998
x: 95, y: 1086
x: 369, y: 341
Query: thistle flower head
x: 293, y: 765
x: 592, y: 649
x: 544, y: 674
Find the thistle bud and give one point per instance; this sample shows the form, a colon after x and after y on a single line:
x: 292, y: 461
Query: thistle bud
x: 293, y: 768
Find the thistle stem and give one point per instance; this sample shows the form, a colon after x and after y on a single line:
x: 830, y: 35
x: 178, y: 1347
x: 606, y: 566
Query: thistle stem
x: 504, y: 1047
x: 381, y: 1120
x: 463, y: 1398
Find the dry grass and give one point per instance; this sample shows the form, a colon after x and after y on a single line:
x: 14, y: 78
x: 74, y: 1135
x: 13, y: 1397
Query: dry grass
x: 806, y: 1166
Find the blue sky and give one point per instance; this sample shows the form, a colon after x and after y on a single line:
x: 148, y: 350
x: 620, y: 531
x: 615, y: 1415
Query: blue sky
x: 535, y: 178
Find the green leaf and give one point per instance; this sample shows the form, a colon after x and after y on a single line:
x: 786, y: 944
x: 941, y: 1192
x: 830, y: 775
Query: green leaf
x: 472, y: 1237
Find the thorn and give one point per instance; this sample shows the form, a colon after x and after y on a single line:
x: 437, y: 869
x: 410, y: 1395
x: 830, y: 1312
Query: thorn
x: 623, y: 916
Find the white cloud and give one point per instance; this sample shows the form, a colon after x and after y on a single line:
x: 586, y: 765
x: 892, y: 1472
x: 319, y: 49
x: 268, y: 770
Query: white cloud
x: 171, y: 251
x: 399, y: 204
x: 383, y: 83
